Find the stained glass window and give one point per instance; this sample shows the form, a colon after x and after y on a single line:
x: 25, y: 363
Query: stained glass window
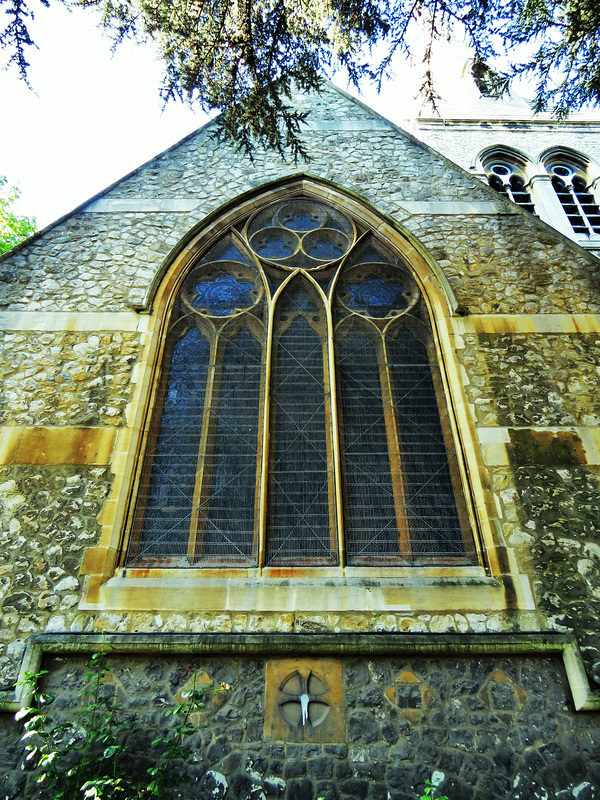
x: 297, y: 414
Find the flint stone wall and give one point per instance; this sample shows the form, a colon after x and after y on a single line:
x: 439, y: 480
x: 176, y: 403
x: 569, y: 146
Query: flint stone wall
x: 107, y: 260
x: 496, y: 729
x: 66, y: 379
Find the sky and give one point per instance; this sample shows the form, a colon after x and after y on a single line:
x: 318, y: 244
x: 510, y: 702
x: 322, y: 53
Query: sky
x: 93, y: 117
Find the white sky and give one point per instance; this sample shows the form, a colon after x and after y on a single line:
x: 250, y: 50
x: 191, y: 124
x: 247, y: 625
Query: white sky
x: 93, y: 117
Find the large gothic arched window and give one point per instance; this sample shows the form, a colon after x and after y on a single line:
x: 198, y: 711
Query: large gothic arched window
x: 299, y: 418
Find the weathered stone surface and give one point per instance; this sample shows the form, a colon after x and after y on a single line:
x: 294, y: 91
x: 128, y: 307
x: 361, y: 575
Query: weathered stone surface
x: 510, y: 383
x: 500, y: 265
x: 66, y: 379
x: 49, y: 515
x: 500, y: 747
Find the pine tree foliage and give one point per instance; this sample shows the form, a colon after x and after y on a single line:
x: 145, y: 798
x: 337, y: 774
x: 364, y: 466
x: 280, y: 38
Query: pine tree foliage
x: 245, y: 57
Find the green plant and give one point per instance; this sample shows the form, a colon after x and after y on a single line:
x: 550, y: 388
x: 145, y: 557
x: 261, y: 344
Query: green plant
x: 91, y: 756
x: 431, y: 788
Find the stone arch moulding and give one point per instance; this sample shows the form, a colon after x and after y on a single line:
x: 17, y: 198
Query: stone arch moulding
x: 486, y: 583
x: 511, y: 173
x: 501, y: 152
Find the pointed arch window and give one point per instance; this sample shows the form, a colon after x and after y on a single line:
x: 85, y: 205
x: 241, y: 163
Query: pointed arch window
x: 505, y: 171
x: 299, y: 417
x: 572, y: 186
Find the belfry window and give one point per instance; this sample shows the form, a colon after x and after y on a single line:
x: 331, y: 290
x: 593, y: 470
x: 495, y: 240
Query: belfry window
x: 299, y: 416
x: 508, y: 180
x: 571, y: 186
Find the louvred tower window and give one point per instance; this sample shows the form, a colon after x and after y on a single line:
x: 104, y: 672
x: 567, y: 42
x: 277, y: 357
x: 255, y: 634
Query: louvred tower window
x: 299, y: 417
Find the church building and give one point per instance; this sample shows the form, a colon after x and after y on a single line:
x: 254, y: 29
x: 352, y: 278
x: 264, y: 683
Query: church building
x: 326, y: 434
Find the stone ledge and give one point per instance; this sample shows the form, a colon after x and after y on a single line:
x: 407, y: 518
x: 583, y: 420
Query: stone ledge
x: 119, y: 205
x: 71, y: 321
x: 56, y: 446
x: 308, y: 644
x: 526, y: 323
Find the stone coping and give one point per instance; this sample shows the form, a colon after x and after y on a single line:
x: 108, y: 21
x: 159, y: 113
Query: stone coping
x: 310, y: 644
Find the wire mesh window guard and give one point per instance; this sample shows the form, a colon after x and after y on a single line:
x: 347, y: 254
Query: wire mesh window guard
x: 297, y: 415
x: 576, y: 198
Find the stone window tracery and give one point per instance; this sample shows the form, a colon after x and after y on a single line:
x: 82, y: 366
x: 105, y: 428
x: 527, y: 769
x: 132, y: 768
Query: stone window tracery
x: 299, y: 417
x: 506, y: 176
x: 572, y: 186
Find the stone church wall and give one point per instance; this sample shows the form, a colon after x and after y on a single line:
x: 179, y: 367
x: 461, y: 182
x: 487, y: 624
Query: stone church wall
x: 494, y: 727
x: 526, y: 335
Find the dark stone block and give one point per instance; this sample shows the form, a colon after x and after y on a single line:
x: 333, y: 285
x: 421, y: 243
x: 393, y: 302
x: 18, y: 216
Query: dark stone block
x: 370, y: 697
x: 389, y: 733
x: 465, y: 686
x: 276, y: 767
x: 369, y: 770
x: 300, y: 790
x: 552, y: 752
x: 458, y: 790
x: 337, y: 750
x: 294, y: 768
x: 241, y: 696
x: 434, y: 735
x: 450, y: 762
x: 505, y: 758
x: 357, y: 674
x: 320, y: 768
x: 274, y: 750
x: 399, y: 776
x: 380, y: 670
x: 485, y: 742
x: 438, y: 682
x: 554, y: 778
x: 343, y: 770
x: 249, y: 671
x: 254, y: 730
x: 377, y: 791
x: 231, y: 763
x: 456, y: 716
x: 327, y: 791
x: 403, y: 750
x: 379, y: 753
x: 218, y: 750
x: 257, y: 764
x: 274, y: 786
x: 461, y: 738
x: 576, y: 768
x: 210, y: 788
x: 302, y: 750
x: 363, y: 727
x: 355, y: 788
x: 241, y: 785
x: 493, y: 787
x: 502, y: 696
x: 155, y: 671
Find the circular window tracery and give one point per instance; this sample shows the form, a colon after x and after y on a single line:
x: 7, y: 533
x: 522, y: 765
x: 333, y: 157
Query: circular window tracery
x: 300, y: 233
x: 221, y: 289
x: 378, y: 290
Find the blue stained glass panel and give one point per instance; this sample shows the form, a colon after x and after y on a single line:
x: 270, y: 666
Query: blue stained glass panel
x: 325, y: 249
x: 301, y: 221
x: 275, y: 247
x: 376, y: 296
x: 299, y: 301
x: 173, y: 461
x: 222, y: 296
